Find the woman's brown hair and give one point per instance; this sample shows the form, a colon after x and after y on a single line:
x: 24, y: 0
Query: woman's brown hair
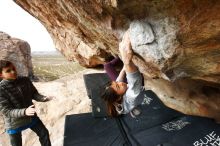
x: 110, y: 97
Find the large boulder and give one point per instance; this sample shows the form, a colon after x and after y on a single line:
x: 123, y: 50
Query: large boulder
x: 176, y: 43
x: 18, y: 52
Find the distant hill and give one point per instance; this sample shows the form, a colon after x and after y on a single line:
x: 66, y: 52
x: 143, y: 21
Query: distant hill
x: 46, y: 53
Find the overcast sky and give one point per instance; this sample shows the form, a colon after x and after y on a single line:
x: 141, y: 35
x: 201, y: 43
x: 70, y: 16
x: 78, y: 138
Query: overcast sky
x: 18, y: 23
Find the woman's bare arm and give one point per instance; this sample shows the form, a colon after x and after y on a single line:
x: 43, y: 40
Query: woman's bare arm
x: 127, y: 54
x: 121, y: 75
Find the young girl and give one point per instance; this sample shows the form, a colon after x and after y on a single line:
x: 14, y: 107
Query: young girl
x: 122, y: 98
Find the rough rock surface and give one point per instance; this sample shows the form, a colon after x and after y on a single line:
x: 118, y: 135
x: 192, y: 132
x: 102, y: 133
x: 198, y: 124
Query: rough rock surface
x: 18, y: 52
x: 176, y: 43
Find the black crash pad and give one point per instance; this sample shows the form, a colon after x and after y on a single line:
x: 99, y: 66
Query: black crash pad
x: 85, y: 130
x: 182, y: 131
x: 94, y: 83
x: 157, y: 125
x: 198, y: 131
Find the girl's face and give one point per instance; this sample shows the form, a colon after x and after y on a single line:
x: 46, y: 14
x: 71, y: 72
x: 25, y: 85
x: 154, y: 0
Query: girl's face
x: 9, y: 73
x: 119, y: 87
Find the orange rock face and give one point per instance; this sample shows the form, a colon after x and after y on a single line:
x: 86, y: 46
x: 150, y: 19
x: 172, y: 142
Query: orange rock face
x: 176, y: 43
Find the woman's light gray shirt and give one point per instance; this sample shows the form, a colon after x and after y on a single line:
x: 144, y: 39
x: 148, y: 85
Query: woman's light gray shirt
x: 130, y: 98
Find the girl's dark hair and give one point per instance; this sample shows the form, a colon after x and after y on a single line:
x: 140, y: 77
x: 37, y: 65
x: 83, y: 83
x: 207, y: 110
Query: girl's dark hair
x: 110, y: 97
x: 4, y: 63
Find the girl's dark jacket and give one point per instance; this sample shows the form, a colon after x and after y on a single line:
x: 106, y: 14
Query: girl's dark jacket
x: 15, y: 97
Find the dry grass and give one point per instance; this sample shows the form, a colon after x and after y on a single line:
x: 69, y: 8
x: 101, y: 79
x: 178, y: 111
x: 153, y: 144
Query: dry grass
x: 48, y: 67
